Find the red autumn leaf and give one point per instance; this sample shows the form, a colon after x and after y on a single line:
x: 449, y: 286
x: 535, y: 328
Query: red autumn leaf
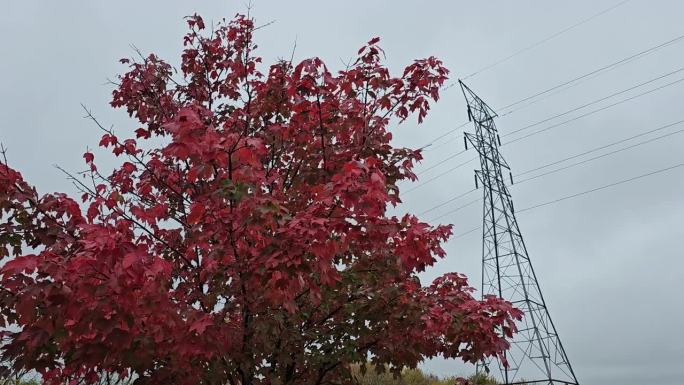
x: 104, y: 142
x: 89, y: 157
x: 197, y: 211
x: 142, y: 133
x: 201, y: 325
x: 129, y: 260
x: 128, y: 167
x: 17, y: 265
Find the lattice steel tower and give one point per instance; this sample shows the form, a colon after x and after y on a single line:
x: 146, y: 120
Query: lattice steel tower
x: 536, y: 355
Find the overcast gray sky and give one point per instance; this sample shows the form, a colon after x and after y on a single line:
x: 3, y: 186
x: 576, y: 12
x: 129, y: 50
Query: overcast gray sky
x: 609, y: 262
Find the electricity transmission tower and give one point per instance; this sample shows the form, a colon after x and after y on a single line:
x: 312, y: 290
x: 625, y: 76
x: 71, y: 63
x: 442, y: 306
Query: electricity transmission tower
x: 536, y: 355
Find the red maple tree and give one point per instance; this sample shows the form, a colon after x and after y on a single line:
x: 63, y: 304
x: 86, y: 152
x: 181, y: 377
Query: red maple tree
x: 243, y: 238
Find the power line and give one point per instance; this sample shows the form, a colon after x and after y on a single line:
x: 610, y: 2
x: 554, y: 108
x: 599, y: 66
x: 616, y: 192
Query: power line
x: 558, y: 115
x: 569, y: 111
x: 446, y: 202
x: 586, y: 192
x: 574, y: 164
x: 546, y: 39
x: 442, y: 161
x: 594, y: 111
x: 456, y: 209
x: 549, y: 118
x: 556, y: 92
x: 594, y: 102
x: 600, y: 69
x: 438, y: 175
x: 601, y: 187
x: 556, y: 125
x: 543, y: 130
x: 600, y: 148
x: 445, y: 134
x: 432, y: 148
x: 600, y: 156
x: 461, y: 235
x: 609, y: 66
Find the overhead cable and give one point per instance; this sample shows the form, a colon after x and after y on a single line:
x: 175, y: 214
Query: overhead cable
x: 582, y: 193
x: 600, y: 156
x: 594, y: 111
x: 594, y: 102
x: 546, y: 39
x: 574, y: 157
x: 600, y: 69
x: 659, y: 171
x: 599, y: 148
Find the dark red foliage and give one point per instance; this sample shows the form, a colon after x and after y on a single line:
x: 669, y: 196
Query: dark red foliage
x: 253, y: 246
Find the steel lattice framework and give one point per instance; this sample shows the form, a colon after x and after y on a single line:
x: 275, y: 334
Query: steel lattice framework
x: 536, y: 355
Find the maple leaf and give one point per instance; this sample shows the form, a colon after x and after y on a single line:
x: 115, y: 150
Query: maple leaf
x: 197, y: 210
x: 89, y: 157
x: 26, y: 263
x: 129, y: 260
x: 201, y: 325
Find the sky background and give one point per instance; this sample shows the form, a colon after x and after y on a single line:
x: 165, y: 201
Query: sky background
x: 609, y: 263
